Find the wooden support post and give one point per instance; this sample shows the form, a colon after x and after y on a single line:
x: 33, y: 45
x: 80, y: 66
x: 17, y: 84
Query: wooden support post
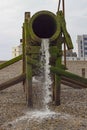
x: 63, y: 6
x: 57, y: 77
x: 24, y: 55
x: 28, y: 69
x: 12, y: 82
x: 83, y: 72
x: 53, y: 87
x: 57, y: 90
x: 29, y: 83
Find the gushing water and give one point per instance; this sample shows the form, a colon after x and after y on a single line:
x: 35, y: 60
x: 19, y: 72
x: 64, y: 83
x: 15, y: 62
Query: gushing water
x: 46, y: 87
x: 46, y: 72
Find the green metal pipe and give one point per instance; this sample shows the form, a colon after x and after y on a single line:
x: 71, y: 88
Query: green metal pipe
x: 44, y: 24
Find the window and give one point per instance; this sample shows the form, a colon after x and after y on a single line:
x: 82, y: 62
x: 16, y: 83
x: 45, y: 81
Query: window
x: 81, y: 42
x: 85, y: 38
x: 85, y: 53
x: 81, y: 47
x: 78, y: 58
x: 85, y: 48
x: 85, y: 43
x: 81, y: 51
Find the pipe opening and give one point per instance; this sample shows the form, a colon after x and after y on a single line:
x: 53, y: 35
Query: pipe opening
x: 44, y: 26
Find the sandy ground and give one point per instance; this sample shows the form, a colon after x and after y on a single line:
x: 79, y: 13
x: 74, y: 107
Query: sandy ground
x: 15, y: 115
x: 70, y: 115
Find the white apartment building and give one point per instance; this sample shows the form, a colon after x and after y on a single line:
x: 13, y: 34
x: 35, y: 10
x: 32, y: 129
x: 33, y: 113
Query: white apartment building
x: 16, y: 51
x: 82, y: 46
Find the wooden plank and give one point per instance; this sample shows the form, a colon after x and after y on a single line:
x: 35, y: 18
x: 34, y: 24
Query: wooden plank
x: 33, y: 62
x: 23, y: 50
x: 69, y: 75
x: 28, y: 81
x: 33, y: 49
x: 24, y: 55
x: 57, y: 77
x: 57, y: 90
x: 78, y: 83
x: 75, y: 86
x: 10, y: 62
x: 12, y: 81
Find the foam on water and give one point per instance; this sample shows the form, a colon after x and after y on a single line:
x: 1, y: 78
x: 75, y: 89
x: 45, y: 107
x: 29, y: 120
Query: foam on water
x: 38, y: 116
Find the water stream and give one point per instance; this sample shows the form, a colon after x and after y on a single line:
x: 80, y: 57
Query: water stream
x: 45, y: 56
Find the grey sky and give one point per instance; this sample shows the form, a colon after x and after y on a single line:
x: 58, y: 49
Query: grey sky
x: 12, y: 17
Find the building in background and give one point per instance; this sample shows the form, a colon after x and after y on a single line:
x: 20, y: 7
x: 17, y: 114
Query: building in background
x: 16, y: 51
x: 82, y: 46
x: 70, y: 55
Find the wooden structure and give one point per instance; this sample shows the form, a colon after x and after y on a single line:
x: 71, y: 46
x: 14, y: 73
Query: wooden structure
x: 44, y: 24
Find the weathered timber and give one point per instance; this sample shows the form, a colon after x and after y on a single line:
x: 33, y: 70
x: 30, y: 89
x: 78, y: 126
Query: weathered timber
x: 73, y: 81
x: 75, y: 86
x: 28, y: 82
x: 10, y: 62
x: 57, y: 90
x: 61, y: 20
x: 53, y: 51
x: 69, y: 75
x: 29, y: 85
x: 57, y: 77
x: 12, y: 82
x: 44, y: 24
x: 23, y: 50
x: 33, y: 50
x: 33, y: 62
x: 24, y: 55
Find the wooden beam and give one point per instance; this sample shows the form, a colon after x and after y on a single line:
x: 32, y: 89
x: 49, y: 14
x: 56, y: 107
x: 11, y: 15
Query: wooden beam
x: 57, y: 91
x: 28, y: 82
x: 10, y: 62
x: 24, y: 55
x: 12, y: 81
x: 33, y: 49
x: 33, y: 62
x: 74, y: 82
x: 69, y: 75
x: 75, y: 86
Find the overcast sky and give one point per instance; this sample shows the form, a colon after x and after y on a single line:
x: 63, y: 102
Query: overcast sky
x: 12, y: 17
